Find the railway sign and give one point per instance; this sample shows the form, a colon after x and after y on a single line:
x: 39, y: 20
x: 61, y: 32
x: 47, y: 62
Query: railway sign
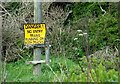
x: 34, y: 33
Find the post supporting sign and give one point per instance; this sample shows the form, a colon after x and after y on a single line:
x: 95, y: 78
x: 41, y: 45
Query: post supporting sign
x: 37, y: 19
x: 35, y: 35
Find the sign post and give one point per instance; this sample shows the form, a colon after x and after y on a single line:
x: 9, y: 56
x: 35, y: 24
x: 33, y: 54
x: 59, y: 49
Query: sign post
x: 35, y: 35
x: 37, y: 51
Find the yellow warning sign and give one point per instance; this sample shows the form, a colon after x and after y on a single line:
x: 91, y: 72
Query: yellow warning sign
x: 34, y: 33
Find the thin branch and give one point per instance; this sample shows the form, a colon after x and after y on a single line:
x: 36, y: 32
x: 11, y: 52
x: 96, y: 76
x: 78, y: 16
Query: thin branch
x: 102, y: 9
x: 5, y: 10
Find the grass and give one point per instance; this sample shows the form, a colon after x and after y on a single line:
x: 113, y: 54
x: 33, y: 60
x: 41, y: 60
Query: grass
x: 60, y: 69
x: 22, y: 72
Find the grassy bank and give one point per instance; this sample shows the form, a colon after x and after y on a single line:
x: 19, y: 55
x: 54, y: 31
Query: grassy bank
x: 60, y: 70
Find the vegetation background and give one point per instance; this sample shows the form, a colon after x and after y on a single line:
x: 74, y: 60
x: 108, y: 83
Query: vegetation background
x: 84, y: 38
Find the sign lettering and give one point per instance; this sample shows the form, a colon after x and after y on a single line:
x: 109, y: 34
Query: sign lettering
x: 34, y: 33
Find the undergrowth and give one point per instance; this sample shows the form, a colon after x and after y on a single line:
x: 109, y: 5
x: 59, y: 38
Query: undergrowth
x: 60, y: 70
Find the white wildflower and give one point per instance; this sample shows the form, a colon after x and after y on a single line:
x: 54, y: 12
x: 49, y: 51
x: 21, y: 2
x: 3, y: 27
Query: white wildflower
x: 75, y: 48
x: 49, y: 45
x: 75, y: 39
x: 80, y: 34
x: 84, y: 33
x: 79, y: 30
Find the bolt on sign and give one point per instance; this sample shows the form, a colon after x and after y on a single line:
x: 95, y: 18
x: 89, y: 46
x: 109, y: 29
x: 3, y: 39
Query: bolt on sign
x: 34, y: 33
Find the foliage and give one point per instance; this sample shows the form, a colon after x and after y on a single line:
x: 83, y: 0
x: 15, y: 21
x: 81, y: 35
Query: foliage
x: 63, y: 70
x: 103, y: 31
x: 86, y: 25
x: 87, y: 17
x: 12, y: 6
x: 100, y: 26
x: 12, y: 32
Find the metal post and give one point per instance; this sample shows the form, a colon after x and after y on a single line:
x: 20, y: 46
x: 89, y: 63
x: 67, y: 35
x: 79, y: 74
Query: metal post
x: 37, y: 50
x: 36, y: 67
x: 37, y: 11
x: 47, y: 54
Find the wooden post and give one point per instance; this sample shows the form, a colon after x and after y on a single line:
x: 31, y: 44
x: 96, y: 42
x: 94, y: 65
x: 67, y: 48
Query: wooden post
x: 37, y: 50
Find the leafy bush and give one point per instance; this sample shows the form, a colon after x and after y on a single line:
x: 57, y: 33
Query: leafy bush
x: 101, y: 27
x: 103, y: 31
x: 82, y: 73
